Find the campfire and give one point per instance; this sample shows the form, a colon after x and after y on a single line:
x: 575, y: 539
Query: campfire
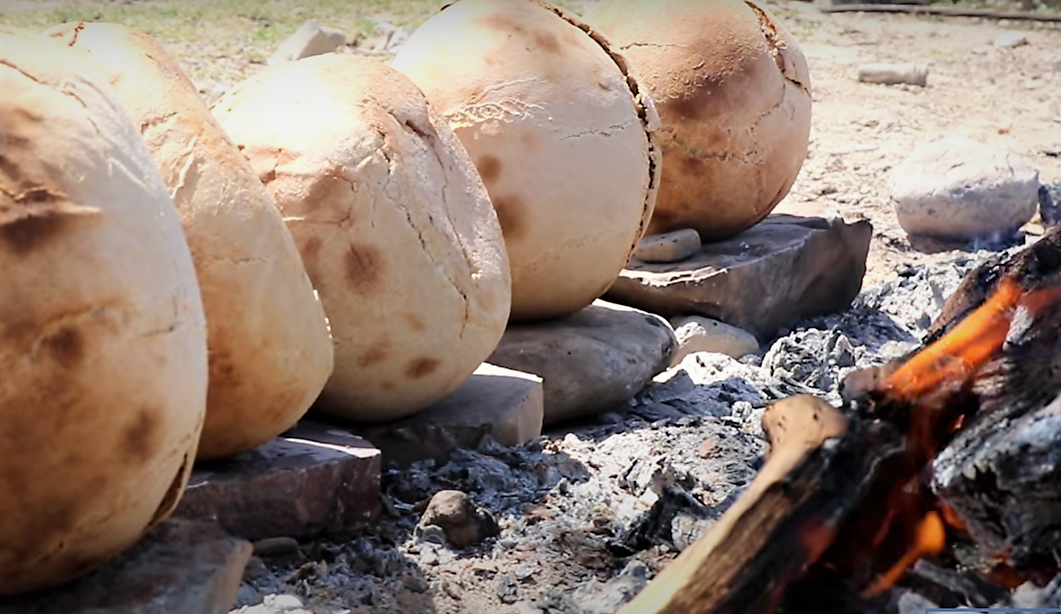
x: 938, y: 471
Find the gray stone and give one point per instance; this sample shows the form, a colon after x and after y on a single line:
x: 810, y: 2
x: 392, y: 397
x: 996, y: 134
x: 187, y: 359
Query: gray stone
x: 386, y: 38
x: 910, y: 73
x: 179, y: 567
x: 310, y: 39
x: 275, y: 604
x: 310, y: 481
x: 955, y: 188
x: 668, y: 247
x: 699, y: 334
x: 590, y: 361
x: 781, y: 270
x: 461, y: 521
x: 1011, y: 39
x: 504, y: 403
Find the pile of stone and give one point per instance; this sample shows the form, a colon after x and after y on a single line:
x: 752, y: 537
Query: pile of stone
x: 331, y: 525
x: 321, y: 482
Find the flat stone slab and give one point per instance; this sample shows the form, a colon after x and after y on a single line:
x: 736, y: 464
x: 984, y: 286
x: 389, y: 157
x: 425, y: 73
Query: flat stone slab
x: 504, y: 403
x: 781, y: 270
x: 179, y: 567
x: 590, y: 361
x: 311, y: 480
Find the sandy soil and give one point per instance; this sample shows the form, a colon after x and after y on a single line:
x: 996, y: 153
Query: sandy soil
x: 1004, y: 97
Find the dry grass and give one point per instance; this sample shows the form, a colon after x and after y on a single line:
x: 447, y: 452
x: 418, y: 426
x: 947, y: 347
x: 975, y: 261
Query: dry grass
x: 220, y: 40
x: 225, y: 41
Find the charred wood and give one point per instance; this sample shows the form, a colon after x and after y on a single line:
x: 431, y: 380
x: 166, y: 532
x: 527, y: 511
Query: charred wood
x: 948, y: 588
x: 1003, y: 478
x: 659, y: 525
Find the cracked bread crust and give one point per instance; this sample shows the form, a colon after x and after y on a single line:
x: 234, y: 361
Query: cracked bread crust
x: 393, y: 223
x: 270, y: 348
x: 733, y: 92
x: 102, y: 331
x: 561, y: 133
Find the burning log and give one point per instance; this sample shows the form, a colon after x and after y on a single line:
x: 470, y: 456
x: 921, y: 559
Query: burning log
x: 845, y: 495
x: 819, y: 469
x: 1002, y: 472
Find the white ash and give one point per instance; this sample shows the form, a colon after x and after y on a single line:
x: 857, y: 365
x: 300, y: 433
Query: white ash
x: 885, y: 322
x: 1028, y: 596
x: 564, y: 505
x: 589, y: 514
x: 912, y: 603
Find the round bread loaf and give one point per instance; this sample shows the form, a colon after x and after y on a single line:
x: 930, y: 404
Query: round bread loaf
x: 393, y: 223
x: 733, y: 92
x: 560, y: 133
x: 102, y: 332
x: 270, y: 348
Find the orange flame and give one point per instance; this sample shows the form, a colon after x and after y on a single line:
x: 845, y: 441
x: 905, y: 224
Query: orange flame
x: 961, y: 351
x: 924, y: 382
x: 899, y: 523
x: 930, y: 539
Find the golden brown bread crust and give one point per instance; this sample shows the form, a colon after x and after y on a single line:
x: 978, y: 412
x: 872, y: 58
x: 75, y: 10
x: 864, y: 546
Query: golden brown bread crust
x: 102, y: 331
x: 733, y: 92
x: 393, y: 223
x: 270, y: 349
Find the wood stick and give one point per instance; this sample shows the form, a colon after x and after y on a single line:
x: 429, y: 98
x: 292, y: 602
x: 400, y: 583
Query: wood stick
x: 945, y: 11
x: 729, y: 568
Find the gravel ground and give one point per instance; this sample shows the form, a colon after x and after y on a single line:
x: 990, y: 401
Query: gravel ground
x: 587, y: 514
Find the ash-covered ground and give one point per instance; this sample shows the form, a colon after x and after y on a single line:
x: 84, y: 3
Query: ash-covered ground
x: 585, y: 515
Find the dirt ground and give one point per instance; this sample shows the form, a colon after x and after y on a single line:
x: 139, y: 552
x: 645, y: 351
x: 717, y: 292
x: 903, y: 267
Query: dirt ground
x: 1003, y: 97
